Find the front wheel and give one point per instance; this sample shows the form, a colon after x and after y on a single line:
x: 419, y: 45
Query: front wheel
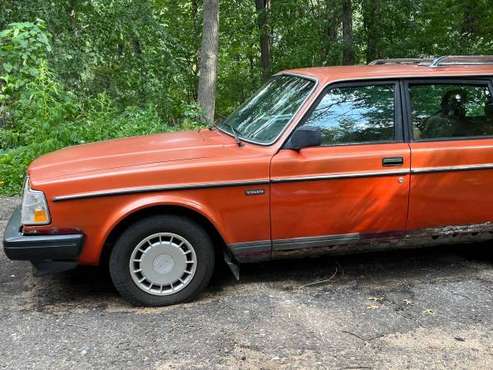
x: 162, y: 260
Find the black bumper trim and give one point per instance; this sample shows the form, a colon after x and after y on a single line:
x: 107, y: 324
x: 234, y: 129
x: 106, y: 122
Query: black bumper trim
x: 39, y: 247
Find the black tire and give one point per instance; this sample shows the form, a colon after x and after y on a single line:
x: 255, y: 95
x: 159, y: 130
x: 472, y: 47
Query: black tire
x: 122, y: 251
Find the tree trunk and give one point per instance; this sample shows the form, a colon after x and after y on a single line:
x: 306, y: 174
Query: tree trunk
x: 470, y: 21
x: 208, y: 59
x: 347, y: 32
x: 332, y: 51
x: 371, y: 20
x: 195, y: 56
x: 263, y: 13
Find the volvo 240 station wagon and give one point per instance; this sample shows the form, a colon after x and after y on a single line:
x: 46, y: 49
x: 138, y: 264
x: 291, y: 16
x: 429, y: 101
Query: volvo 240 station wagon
x: 339, y: 159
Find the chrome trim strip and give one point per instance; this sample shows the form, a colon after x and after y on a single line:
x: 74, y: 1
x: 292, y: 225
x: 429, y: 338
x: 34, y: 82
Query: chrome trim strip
x: 258, y: 244
x: 254, y: 251
x: 158, y: 188
x: 342, y: 175
x: 314, y: 241
x: 358, y: 242
x: 332, y: 176
x: 441, y: 232
x: 466, y: 167
x: 310, y: 94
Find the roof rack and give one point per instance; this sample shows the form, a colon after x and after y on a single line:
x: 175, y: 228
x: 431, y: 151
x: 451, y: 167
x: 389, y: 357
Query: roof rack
x: 401, y: 61
x: 448, y: 60
x: 435, y: 62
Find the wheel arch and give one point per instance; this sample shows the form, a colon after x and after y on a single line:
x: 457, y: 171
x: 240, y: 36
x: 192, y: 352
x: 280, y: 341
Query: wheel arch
x: 161, y: 209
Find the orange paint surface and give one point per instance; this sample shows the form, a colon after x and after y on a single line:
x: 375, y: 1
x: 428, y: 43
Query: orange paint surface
x: 285, y: 209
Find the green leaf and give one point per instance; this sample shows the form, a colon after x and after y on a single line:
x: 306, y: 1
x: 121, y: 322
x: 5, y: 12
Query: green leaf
x: 8, y: 67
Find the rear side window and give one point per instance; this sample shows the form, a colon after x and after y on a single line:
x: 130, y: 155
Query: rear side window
x: 352, y: 115
x: 451, y: 110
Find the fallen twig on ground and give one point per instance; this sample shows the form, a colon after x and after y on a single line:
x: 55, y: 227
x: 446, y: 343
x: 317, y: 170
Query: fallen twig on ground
x: 318, y: 282
x: 361, y: 338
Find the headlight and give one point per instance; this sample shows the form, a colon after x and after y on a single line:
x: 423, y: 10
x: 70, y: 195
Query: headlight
x: 34, y: 207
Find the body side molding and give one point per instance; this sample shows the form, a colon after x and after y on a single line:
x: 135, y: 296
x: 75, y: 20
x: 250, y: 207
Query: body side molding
x: 465, y: 167
x: 342, y: 175
x: 254, y: 251
x: 359, y: 242
x: 276, y: 180
x: 159, y: 188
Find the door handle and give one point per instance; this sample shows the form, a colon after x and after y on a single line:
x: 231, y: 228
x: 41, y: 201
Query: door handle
x: 392, y: 161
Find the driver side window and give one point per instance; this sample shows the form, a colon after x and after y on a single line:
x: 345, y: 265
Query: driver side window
x: 355, y: 114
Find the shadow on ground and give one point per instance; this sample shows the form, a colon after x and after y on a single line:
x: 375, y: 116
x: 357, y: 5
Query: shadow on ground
x: 391, y: 268
x: 424, y: 308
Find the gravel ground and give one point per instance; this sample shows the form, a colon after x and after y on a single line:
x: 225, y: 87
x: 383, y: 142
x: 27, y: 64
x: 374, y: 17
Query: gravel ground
x: 409, y: 309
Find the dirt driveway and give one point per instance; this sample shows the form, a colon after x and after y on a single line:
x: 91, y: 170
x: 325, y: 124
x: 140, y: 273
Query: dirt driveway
x: 412, y: 309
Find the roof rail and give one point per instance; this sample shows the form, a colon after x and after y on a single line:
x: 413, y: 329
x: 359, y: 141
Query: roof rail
x: 448, y: 60
x: 401, y: 61
x: 434, y: 62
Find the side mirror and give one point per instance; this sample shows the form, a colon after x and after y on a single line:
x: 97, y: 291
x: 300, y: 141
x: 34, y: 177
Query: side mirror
x: 304, y: 137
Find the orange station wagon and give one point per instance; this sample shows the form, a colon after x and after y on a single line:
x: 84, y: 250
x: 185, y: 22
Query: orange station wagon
x: 394, y: 154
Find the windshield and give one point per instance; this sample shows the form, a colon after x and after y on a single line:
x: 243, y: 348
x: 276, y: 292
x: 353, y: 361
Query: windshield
x: 262, y: 118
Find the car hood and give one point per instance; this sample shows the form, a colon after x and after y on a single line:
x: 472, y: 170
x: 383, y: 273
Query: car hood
x: 129, y: 152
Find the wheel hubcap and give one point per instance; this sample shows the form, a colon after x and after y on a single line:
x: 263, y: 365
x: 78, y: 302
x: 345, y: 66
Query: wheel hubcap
x: 163, y: 264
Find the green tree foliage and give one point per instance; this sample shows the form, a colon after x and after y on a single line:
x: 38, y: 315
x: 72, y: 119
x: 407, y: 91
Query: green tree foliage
x: 98, y: 69
x: 23, y: 48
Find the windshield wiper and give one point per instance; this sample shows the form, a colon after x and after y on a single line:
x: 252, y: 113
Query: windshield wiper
x: 235, y: 132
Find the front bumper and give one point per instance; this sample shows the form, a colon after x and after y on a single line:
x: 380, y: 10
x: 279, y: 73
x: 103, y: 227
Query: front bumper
x: 39, y: 249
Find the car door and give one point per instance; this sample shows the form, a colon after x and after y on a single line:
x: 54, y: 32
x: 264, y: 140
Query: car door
x: 451, y: 133
x: 355, y: 185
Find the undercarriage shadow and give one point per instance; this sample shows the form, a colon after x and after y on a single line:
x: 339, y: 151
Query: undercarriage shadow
x: 93, y: 286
